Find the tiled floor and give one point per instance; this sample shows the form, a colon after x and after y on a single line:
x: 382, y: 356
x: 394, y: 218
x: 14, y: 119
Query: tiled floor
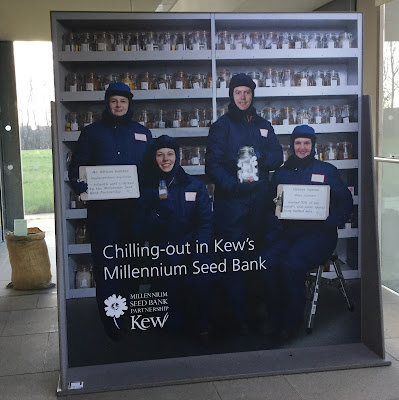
x: 29, y: 356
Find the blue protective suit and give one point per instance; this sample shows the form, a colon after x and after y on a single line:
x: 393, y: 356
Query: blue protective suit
x: 307, y: 243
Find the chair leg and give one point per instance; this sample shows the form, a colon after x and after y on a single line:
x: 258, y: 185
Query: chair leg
x: 344, y: 287
x: 315, y: 297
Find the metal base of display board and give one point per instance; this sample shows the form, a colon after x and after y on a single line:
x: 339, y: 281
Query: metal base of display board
x: 219, y: 367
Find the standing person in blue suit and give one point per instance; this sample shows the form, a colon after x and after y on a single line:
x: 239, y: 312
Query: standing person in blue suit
x: 114, y: 140
x: 309, y: 243
x: 240, y: 208
x: 182, y: 214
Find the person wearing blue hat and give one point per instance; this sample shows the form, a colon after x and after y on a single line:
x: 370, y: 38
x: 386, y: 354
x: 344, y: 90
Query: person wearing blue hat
x: 239, y: 204
x: 309, y: 243
x: 114, y: 140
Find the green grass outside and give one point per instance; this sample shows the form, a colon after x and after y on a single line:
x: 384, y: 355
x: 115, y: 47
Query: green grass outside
x: 37, y: 177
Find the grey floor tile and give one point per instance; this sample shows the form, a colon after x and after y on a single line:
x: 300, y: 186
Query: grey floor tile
x: 14, y: 303
x: 379, y: 383
x: 392, y: 347
x: 4, y: 315
x: 388, y: 296
x: 197, y: 391
x: 51, y: 358
x: 22, y: 354
x: 391, y: 319
x: 47, y: 300
x: 265, y: 388
x: 41, y: 386
x: 27, y: 322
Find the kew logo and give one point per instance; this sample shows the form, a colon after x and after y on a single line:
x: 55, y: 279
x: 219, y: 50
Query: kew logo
x: 138, y: 322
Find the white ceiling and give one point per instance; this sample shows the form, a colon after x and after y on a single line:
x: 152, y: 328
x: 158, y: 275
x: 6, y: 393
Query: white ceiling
x: 30, y: 20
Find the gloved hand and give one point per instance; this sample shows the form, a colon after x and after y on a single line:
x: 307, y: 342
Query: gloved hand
x: 79, y: 187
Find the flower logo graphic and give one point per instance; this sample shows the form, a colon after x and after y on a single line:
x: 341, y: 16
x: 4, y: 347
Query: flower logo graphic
x: 115, y: 307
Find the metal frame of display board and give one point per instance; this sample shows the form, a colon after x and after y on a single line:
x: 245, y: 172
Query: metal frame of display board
x: 116, y: 376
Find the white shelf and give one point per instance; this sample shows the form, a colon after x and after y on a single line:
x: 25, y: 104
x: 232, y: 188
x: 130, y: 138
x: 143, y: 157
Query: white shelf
x: 80, y: 293
x: 79, y: 248
x: 291, y: 54
x: 298, y: 91
x: 129, y: 56
x: 344, y: 164
x: 76, y: 213
x: 195, y: 169
x: 155, y: 94
x: 347, y: 233
x: 319, y: 128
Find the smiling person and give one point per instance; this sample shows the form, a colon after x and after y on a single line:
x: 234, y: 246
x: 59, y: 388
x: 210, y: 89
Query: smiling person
x: 114, y: 140
x: 309, y: 243
x: 241, y: 187
x: 174, y: 213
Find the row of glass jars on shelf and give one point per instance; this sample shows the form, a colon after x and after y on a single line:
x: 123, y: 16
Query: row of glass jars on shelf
x: 283, y: 40
x: 285, y: 78
x: 75, y: 82
x: 328, y: 151
x: 313, y: 115
x: 192, y: 155
x: 84, y: 273
x: 178, y: 118
x: 77, y: 121
x: 136, y: 41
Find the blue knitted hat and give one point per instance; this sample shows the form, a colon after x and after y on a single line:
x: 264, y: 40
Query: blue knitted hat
x: 304, y: 131
x: 118, y: 89
x: 241, y: 79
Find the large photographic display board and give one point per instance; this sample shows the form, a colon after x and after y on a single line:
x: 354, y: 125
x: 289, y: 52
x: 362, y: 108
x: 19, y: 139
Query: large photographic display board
x: 202, y: 266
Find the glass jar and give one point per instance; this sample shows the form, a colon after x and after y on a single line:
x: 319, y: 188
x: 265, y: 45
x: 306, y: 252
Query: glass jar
x: 345, y: 151
x: 194, y: 40
x: 319, y: 152
x: 330, y: 41
x: 87, y: 42
x: 164, y: 81
x: 332, y: 78
x: 279, y: 79
x: 127, y: 78
x: 247, y: 165
x: 135, y: 41
x: 184, y: 155
x: 160, y: 119
x: 318, y: 115
x: 270, y: 41
x: 104, y: 42
x: 269, y: 114
x: 205, y: 40
x: 146, y: 118
x: 285, y: 42
x: 181, y: 41
x: 255, y: 41
x: 198, y: 81
x: 165, y: 41
x: 70, y: 42
x: 269, y: 78
x: 72, y: 122
x: 240, y: 41
x: 146, y: 80
x: 333, y: 115
x: 76, y: 201
x: 314, y: 41
x: 73, y: 82
x: 82, y: 233
x: 224, y: 41
x: 346, y: 113
x: 180, y: 80
x: 91, y: 82
x: 89, y: 117
x: 302, y: 116
x: 195, y: 117
x: 209, y: 80
x: 299, y: 41
x: 224, y: 77
x: 150, y: 41
x: 202, y: 150
x: 318, y: 78
x: 287, y: 116
x: 195, y: 156
x: 288, y: 78
x: 110, y: 78
x: 303, y: 79
x: 286, y: 151
x: 68, y: 159
x: 330, y: 151
x: 221, y: 111
x: 119, y: 44
x: 83, y: 276
x: 345, y: 40
x: 208, y: 117
x: 256, y: 78
x: 179, y: 119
